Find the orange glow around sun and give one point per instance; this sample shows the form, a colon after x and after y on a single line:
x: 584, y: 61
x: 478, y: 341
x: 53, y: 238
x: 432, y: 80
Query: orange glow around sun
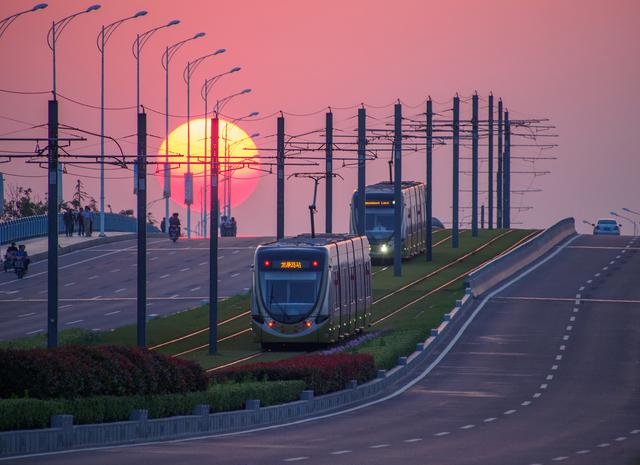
x: 233, y: 142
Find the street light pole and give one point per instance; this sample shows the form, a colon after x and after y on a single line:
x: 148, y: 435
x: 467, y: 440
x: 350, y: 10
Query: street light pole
x: 635, y: 226
x: 186, y: 75
x: 169, y: 52
x: 228, y: 175
x: 6, y: 22
x: 101, y: 41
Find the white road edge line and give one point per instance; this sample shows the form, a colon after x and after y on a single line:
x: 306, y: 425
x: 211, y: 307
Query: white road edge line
x: 394, y: 394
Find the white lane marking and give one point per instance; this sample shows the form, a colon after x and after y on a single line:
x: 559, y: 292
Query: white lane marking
x: 490, y: 419
x: 544, y: 386
x: 378, y: 446
x: 536, y: 395
x: 26, y: 314
x: 510, y: 412
x: 11, y: 292
x: 581, y: 288
x: 558, y: 357
x: 578, y: 296
x: 563, y: 347
x: 603, y: 445
x: 202, y: 263
x: 122, y: 289
x: 194, y: 289
x: 70, y: 284
x: 164, y: 276
x: 572, y: 318
x: 235, y: 275
x: 392, y: 395
x: 185, y: 269
x: 634, y: 431
x: 576, y: 310
x: 112, y: 313
x: 605, y: 268
x: 64, y: 306
x: 412, y: 440
x: 554, y: 367
x: 95, y: 276
x: 565, y: 337
x: 341, y: 452
x: 295, y: 459
x: 597, y: 275
x: 153, y: 258
x: 467, y: 426
x: 549, y: 377
x: 442, y: 433
x: 220, y: 257
x: 583, y: 451
x: 34, y: 332
x: 618, y: 256
x: 525, y: 403
x: 620, y: 438
x: 115, y: 270
x: 235, y: 252
x: 612, y: 262
x: 174, y: 296
x: 173, y: 252
x: 569, y: 328
x: 577, y: 302
x: 560, y: 458
x: 624, y: 251
x: 73, y: 322
x: 42, y: 292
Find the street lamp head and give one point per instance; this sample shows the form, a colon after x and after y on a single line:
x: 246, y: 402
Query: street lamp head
x: 626, y: 210
x: 613, y: 213
x: 173, y: 23
x: 253, y: 113
x: 255, y: 134
x: 93, y: 8
x: 235, y: 70
x: 199, y: 34
x: 246, y: 91
x: 220, y: 50
x: 39, y: 6
x: 140, y: 13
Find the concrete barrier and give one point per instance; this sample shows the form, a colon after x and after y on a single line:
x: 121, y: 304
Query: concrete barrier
x: 496, y: 271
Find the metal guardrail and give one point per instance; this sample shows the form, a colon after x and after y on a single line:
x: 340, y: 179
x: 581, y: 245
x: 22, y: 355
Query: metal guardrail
x: 36, y: 226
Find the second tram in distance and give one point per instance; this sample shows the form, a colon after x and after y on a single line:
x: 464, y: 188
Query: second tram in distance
x: 311, y: 290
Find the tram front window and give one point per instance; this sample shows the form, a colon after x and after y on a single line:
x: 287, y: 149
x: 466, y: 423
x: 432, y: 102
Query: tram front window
x: 379, y: 223
x: 289, y: 296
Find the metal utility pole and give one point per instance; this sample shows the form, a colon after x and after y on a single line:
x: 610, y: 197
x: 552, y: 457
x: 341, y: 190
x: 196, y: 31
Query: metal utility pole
x: 474, y: 166
x: 280, y: 180
x: 397, y: 190
x: 213, y: 241
x: 52, y: 223
x: 429, y: 191
x: 362, y: 147
x: 329, y: 174
x: 499, y: 177
x: 455, y: 239
x: 141, y: 195
x: 506, y: 215
x: 490, y: 156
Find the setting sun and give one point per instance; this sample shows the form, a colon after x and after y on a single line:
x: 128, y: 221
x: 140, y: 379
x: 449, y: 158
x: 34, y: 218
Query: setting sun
x: 235, y: 145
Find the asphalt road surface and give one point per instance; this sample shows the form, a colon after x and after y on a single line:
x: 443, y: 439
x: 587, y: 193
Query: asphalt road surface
x: 97, y: 285
x: 547, y: 372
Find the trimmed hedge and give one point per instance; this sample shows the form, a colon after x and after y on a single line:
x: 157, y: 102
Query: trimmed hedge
x: 36, y: 413
x: 80, y: 371
x: 386, y: 349
x: 322, y: 373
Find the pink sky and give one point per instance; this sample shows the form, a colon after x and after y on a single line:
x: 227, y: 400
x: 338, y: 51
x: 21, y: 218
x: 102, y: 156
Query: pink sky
x: 575, y: 62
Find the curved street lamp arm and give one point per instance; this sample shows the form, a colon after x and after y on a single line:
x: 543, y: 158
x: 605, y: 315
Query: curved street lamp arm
x: 60, y: 25
x: 193, y: 65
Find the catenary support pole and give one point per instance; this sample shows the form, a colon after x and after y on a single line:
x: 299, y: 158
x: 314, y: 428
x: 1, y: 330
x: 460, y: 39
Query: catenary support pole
x: 474, y: 166
x: 329, y: 173
x: 142, y: 230
x: 499, y: 176
x: 455, y: 239
x: 506, y: 215
x: 397, y: 191
x: 362, y: 177
x: 429, y: 191
x: 490, y: 164
x: 52, y: 223
x: 213, y: 241
x: 280, y: 180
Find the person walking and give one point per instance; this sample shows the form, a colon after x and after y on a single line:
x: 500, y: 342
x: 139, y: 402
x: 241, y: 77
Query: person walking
x: 80, y: 220
x: 87, y: 218
x: 67, y: 219
x: 163, y: 225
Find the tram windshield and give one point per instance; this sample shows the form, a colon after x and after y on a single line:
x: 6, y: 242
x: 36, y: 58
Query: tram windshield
x: 290, y: 283
x: 379, y: 223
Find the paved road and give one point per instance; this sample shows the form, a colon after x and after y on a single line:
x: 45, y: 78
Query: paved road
x: 547, y: 372
x: 98, y: 285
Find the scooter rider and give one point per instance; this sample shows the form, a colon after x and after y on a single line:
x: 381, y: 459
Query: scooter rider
x: 174, y: 221
x: 21, y: 254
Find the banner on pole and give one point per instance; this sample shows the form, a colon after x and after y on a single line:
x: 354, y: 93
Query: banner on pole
x: 188, y: 188
x: 166, y: 192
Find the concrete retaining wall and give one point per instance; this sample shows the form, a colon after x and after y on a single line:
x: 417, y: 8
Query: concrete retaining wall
x: 503, y: 267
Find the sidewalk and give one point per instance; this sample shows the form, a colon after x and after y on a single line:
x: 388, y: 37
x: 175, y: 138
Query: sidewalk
x: 38, y: 246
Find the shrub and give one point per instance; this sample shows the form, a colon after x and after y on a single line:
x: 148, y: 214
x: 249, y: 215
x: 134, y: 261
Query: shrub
x: 386, y: 349
x: 79, y: 371
x: 36, y: 413
x: 322, y: 373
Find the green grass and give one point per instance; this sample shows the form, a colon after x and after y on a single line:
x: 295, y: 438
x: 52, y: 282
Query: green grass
x: 403, y: 329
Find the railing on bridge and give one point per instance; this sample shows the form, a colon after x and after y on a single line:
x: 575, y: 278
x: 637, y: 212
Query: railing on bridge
x: 36, y: 226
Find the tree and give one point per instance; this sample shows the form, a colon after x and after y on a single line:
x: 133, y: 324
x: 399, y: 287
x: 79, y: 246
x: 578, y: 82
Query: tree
x: 82, y: 199
x: 21, y: 204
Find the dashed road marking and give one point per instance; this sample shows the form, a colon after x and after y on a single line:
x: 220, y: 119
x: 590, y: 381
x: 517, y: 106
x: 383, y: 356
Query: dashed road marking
x: 341, y: 452
x: 576, y: 310
x: 194, y: 289
x: 560, y: 458
x: 467, y: 426
x: 490, y: 419
x: 603, y: 445
x: 589, y: 281
x: 412, y: 440
x: 536, y: 395
x: 563, y: 347
x: 558, y: 357
x: 509, y: 412
x: 526, y: 403
x: 569, y: 328
x: 235, y: 275
x: 612, y: 262
x: 185, y: 269
x: 442, y: 433
x: 26, y: 314
x: 572, y: 318
x: 235, y: 252
x: 378, y: 446
x: 583, y: 451
x: 122, y: 289
x: 554, y: 367
x: 597, y: 275
x: 620, y: 438
x: 581, y: 288
x: 115, y: 270
x: 74, y: 322
x: 295, y: 459
x: 112, y: 313
x: 61, y: 307
x: 634, y: 431
x: 544, y: 386
x: 164, y: 276
x: 549, y: 377
x: 95, y: 276
x: 35, y: 332
x: 578, y: 296
x: 202, y: 263
x: 605, y: 268
x: 70, y: 284
x: 153, y: 258
x: 565, y: 337
x: 618, y: 256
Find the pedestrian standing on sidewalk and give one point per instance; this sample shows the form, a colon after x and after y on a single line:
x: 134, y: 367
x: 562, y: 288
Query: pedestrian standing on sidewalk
x: 87, y: 217
x: 67, y: 219
x: 163, y: 225
x: 80, y: 220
